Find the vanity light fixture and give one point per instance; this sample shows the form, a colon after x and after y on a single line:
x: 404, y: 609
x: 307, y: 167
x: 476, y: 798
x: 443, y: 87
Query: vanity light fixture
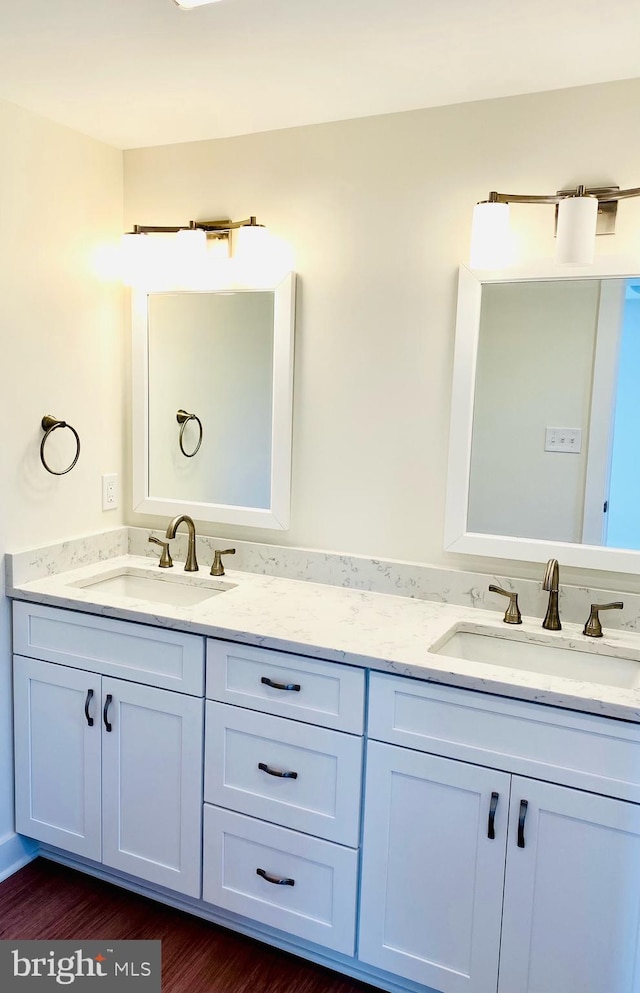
x: 219, y: 229
x: 581, y: 214
x: 194, y: 246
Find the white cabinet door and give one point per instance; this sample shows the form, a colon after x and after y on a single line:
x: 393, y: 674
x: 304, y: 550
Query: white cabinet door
x: 57, y: 755
x: 572, y: 895
x: 432, y: 879
x: 152, y: 784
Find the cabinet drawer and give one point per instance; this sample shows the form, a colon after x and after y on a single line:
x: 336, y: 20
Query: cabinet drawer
x: 168, y: 659
x: 310, y: 690
x: 581, y: 750
x: 319, y: 904
x: 321, y: 794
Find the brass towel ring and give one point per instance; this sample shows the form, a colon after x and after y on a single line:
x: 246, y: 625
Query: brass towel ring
x: 49, y: 424
x: 183, y: 418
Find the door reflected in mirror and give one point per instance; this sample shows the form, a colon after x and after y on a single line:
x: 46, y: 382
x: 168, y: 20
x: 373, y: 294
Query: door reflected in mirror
x: 213, y: 377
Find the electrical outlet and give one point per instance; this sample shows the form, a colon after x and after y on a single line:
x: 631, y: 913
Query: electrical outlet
x: 563, y: 440
x: 110, y: 491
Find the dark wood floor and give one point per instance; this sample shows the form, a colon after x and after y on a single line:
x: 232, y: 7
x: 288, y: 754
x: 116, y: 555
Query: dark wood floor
x: 45, y: 900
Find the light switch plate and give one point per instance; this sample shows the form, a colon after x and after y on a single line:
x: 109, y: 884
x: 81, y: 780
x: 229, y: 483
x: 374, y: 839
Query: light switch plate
x: 563, y: 440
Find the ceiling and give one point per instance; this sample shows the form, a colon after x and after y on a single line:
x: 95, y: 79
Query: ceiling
x: 143, y: 72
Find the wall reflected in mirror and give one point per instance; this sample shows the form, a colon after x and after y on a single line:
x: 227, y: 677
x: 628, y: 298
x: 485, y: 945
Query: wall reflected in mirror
x: 211, y: 354
x: 555, y: 452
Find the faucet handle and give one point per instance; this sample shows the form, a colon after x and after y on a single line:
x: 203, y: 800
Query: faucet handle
x: 512, y: 614
x: 217, y: 569
x: 166, y: 562
x: 593, y: 627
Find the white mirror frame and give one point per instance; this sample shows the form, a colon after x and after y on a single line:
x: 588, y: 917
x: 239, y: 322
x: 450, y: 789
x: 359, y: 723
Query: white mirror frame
x: 276, y: 516
x: 456, y: 536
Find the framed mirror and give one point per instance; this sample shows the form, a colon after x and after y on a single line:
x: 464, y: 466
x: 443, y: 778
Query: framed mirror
x: 212, y: 403
x: 544, y: 456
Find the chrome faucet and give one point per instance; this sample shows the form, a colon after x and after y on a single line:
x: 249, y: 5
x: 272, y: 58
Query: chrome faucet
x: 551, y: 583
x: 191, y: 564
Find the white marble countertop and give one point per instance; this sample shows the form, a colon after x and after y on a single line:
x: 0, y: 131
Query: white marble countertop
x: 379, y: 631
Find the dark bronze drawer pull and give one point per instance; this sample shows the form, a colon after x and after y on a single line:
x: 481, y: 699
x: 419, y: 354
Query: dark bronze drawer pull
x: 274, y: 772
x: 86, y: 708
x: 107, y: 703
x: 523, y: 813
x: 491, y: 829
x: 280, y: 686
x: 276, y: 880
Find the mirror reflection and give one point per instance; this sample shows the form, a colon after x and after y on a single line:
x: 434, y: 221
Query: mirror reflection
x: 213, y: 403
x: 556, y: 418
x: 210, y: 358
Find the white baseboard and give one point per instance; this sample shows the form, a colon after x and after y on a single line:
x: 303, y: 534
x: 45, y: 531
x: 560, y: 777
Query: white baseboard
x: 15, y: 852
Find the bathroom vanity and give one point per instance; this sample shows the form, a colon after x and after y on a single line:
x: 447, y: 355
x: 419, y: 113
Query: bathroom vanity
x: 316, y: 768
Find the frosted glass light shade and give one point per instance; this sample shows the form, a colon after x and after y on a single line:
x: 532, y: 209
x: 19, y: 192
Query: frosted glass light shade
x: 191, y: 247
x: 191, y: 240
x: 135, y: 258
x: 188, y: 4
x: 190, y: 257
x: 260, y: 259
x: 490, y: 236
x: 252, y: 258
x: 576, y: 234
x: 251, y: 244
x: 147, y: 261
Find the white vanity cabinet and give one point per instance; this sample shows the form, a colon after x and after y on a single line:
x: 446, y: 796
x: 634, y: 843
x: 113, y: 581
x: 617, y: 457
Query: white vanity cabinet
x: 109, y: 768
x: 498, y: 849
x: 438, y: 853
x: 282, y: 791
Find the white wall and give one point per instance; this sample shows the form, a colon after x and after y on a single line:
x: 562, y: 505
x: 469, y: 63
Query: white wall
x: 378, y: 212
x: 61, y: 352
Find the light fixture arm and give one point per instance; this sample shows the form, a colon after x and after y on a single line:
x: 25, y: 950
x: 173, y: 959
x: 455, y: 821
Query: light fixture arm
x: 606, y: 194
x: 221, y: 226
x: 625, y: 194
x: 249, y: 222
x: 158, y: 229
x: 495, y: 197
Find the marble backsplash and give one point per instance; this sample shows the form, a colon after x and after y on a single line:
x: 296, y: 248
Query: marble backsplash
x: 410, y: 579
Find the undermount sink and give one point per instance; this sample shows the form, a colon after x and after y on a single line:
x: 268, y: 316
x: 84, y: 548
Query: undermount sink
x: 545, y: 658
x: 175, y: 590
